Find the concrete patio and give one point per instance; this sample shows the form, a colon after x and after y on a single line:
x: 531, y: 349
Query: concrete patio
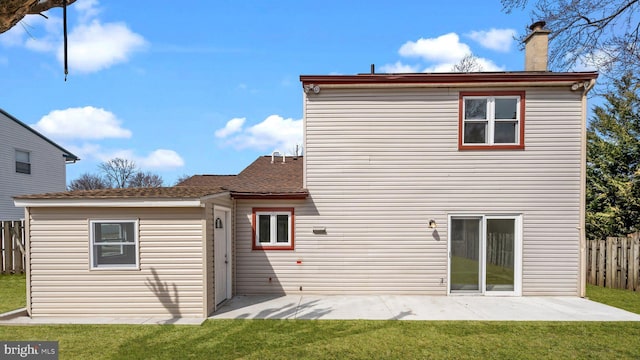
x: 400, y: 307
x: 372, y: 307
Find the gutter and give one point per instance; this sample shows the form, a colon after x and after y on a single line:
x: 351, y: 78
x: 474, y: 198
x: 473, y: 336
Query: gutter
x: 582, y: 285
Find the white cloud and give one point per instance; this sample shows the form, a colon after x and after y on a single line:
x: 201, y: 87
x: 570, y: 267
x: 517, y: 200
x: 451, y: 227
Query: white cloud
x: 92, y: 45
x: 273, y: 133
x: 82, y: 123
x: 159, y: 159
x: 86, y: 9
x: 444, y: 48
x: 494, y: 39
x: 233, y: 126
x: 97, y: 46
x: 398, y: 67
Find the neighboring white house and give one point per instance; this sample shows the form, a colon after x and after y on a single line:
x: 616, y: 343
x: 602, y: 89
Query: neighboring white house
x: 433, y: 184
x: 29, y: 164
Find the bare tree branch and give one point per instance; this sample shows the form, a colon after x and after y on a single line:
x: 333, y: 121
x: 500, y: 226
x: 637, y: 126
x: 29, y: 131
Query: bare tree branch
x: 88, y: 182
x: 469, y: 63
x: 118, y: 171
x: 599, y: 34
x: 145, y: 179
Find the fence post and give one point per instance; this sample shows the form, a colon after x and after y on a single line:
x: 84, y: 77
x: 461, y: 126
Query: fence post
x: 18, y: 240
x: 601, y: 262
x: 1, y: 247
x: 634, y: 257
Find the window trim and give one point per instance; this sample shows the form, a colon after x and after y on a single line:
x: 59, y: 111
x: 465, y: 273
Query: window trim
x: 521, y: 139
x: 272, y: 246
x: 15, y: 156
x: 136, y: 243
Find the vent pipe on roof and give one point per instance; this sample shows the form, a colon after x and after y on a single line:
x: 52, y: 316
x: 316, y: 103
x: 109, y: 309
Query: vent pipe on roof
x: 277, y: 153
x: 373, y: 69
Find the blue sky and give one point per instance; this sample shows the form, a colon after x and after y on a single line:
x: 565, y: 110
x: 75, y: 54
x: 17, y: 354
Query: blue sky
x: 198, y: 87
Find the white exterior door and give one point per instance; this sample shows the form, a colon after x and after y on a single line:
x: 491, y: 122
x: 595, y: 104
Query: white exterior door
x: 222, y: 253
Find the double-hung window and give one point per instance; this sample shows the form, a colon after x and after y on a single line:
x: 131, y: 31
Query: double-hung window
x: 114, y: 244
x: 273, y: 228
x: 491, y: 120
x: 23, y: 162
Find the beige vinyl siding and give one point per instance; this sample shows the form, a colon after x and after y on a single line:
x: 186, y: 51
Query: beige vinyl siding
x: 62, y: 283
x: 380, y: 163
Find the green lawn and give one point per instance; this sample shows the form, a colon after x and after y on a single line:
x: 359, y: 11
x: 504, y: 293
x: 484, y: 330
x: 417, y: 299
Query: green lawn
x: 329, y: 339
x: 623, y: 299
x: 12, y: 292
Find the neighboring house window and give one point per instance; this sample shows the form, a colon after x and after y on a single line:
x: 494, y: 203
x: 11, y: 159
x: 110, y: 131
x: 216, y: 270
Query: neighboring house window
x: 491, y: 120
x: 114, y: 244
x: 273, y: 228
x: 23, y: 162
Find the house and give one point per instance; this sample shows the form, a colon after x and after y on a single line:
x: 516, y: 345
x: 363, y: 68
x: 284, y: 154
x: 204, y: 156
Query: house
x: 434, y: 184
x: 30, y: 164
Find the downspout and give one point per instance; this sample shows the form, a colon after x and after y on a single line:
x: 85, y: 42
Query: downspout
x: 582, y: 288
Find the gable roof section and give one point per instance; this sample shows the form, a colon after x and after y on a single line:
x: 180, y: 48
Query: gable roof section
x: 67, y: 154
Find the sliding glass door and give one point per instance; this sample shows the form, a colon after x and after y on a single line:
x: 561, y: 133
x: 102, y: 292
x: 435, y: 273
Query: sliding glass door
x: 484, y: 254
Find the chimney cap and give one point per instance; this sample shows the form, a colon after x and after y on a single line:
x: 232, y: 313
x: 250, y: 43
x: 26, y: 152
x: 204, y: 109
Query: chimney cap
x: 538, y: 25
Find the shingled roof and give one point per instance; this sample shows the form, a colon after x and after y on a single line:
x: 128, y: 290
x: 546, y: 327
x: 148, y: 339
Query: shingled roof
x: 175, y: 192
x: 264, y: 178
x: 208, y: 180
x: 261, y: 179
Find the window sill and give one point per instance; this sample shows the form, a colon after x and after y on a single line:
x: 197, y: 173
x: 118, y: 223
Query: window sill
x: 491, y: 147
x: 282, y: 247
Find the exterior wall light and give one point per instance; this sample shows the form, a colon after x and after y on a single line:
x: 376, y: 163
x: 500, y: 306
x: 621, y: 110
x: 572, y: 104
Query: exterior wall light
x: 218, y: 223
x: 432, y: 224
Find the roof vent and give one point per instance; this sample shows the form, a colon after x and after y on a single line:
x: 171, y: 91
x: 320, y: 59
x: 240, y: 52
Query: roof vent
x: 276, y: 153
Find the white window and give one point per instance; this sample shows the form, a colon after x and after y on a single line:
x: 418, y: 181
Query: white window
x: 491, y: 121
x: 273, y: 228
x: 23, y: 162
x: 114, y: 244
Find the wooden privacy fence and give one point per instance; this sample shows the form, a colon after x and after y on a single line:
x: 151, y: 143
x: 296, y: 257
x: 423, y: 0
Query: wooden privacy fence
x: 615, y: 262
x: 12, y: 247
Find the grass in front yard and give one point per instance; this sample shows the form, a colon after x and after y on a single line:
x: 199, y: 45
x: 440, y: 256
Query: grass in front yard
x: 623, y: 299
x: 13, y: 292
x: 331, y: 339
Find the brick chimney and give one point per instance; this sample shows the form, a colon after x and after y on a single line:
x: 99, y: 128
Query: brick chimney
x: 536, y: 48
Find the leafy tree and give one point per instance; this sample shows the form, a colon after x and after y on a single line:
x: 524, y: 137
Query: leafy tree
x: 145, y: 179
x: 118, y: 171
x: 88, y: 182
x: 613, y: 156
x: 604, y: 33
